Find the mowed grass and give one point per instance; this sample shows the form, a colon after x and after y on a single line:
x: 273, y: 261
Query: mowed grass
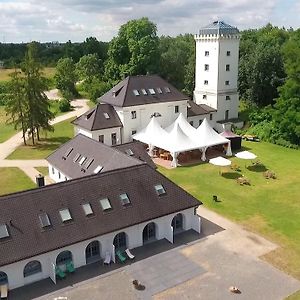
x: 50, y: 141
x: 43, y: 170
x: 4, y: 73
x: 14, y: 180
x: 6, y: 131
x: 269, y: 207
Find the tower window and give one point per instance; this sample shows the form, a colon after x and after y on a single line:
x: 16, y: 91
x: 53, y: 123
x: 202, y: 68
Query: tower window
x: 211, y: 116
x: 206, y: 82
x: 227, y: 68
x: 206, y: 67
x: 227, y: 82
x: 206, y: 53
x: 176, y: 109
x: 228, y: 53
x: 133, y: 114
x: 226, y: 114
x: 227, y: 97
x: 204, y: 97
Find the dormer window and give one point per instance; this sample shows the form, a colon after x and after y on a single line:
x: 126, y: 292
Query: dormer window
x: 65, y: 215
x: 167, y: 89
x: 82, y: 160
x: 129, y: 152
x: 151, y: 91
x: 87, y: 209
x: 124, y: 199
x: 3, y: 231
x: 89, y: 162
x: 77, y: 156
x: 144, y: 92
x: 159, y: 90
x: 159, y: 190
x: 136, y: 93
x: 44, y: 220
x: 67, y: 153
x: 106, y: 116
x: 105, y: 204
x: 98, y: 169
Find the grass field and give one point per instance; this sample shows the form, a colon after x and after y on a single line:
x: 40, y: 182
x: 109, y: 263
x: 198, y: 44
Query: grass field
x: 6, y: 131
x: 269, y: 207
x: 43, y: 170
x: 62, y: 133
x: 4, y: 73
x: 14, y: 180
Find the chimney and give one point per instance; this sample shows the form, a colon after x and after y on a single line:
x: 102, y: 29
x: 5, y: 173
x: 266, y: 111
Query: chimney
x: 40, y: 180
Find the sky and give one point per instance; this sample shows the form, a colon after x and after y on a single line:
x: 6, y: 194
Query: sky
x: 63, y: 20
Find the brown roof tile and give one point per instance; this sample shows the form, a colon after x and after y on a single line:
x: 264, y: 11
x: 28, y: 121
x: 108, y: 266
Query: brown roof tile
x: 198, y: 109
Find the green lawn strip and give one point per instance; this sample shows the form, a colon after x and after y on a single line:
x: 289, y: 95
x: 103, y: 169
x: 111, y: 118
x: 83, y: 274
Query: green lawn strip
x: 43, y: 170
x: 14, y: 180
x: 270, y: 207
x: 6, y: 131
x: 295, y: 296
x: 50, y: 141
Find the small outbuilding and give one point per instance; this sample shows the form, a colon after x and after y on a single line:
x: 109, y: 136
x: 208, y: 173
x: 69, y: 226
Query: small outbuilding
x: 236, y: 140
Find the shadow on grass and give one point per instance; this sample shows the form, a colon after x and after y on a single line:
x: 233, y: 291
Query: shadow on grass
x: 257, y: 168
x: 231, y: 175
x: 50, y: 143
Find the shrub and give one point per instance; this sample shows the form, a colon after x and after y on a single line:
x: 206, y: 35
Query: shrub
x: 64, y: 105
x: 269, y: 174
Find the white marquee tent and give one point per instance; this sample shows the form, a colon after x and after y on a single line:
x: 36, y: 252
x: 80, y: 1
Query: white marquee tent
x: 180, y: 136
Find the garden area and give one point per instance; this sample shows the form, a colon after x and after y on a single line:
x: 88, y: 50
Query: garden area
x: 269, y: 207
x: 14, y: 180
x: 49, y: 142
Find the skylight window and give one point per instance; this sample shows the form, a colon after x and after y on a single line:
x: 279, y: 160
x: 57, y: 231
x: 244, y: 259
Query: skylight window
x: 87, y: 209
x: 159, y: 90
x: 105, y: 204
x: 3, y: 231
x: 124, y: 199
x: 144, y: 92
x: 98, y: 169
x: 136, y: 93
x: 65, y: 215
x: 159, y: 189
x: 151, y: 91
x: 167, y: 89
x: 89, y: 162
x: 68, y: 152
x: 106, y: 116
x: 82, y: 160
x: 77, y: 156
x: 44, y: 220
x: 129, y: 152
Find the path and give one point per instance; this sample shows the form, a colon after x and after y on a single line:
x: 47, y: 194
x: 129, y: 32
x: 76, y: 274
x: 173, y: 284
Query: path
x: 6, y: 148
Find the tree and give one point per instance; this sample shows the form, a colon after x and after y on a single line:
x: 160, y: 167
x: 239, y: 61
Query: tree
x: 15, y: 105
x: 66, y: 77
x: 92, y: 46
x: 89, y: 67
x: 134, y: 51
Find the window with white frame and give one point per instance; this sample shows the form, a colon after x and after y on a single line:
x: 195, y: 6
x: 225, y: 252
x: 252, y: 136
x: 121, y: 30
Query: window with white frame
x: 227, y: 82
x: 159, y: 189
x: 227, y: 67
x: 105, y: 204
x: 133, y: 114
x: 227, y: 97
x: 206, y: 53
x: 228, y: 53
x: 205, y: 82
x: 176, y: 109
x: 206, y: 67
x: 204, y: 97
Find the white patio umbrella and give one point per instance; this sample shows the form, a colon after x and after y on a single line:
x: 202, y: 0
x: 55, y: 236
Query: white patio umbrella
x: 245, y: 155
x: 220, y: 161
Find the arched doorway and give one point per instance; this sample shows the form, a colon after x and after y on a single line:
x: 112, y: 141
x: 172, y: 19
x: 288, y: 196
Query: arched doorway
x: 3, y: 278
x: 149, y: 233
x: 33, y: 267
x: 120, y: 241
x: 92, y: 252
x: 177, y: 223
x: 63, y: 258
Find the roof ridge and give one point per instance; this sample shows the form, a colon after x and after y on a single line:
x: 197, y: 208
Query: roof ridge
x: 96, y: 111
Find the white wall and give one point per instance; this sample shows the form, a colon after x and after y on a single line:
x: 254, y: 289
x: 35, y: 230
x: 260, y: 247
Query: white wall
x: 54, y: 174
x: 95, y: 134
x: 134, y: 239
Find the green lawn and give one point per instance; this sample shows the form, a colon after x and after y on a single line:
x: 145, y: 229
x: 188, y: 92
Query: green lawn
x: 6, y: 131
x: 14, y: 180
x: 269, y: 207
x: 63, y: 132
x: 43, y: 170
x: 4, y: 73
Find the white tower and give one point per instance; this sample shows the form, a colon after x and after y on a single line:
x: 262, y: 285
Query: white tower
x: 217, y: 55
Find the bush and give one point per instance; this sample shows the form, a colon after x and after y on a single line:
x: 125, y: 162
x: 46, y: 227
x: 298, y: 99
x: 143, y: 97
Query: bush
x: 64, y: 105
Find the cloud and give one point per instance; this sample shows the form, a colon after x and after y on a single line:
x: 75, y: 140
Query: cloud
x: 77, y: 19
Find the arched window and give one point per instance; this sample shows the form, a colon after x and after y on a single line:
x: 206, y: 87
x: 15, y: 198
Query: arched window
x: 149, y: 232
x: 64, y: 257
x: 32, y: 268
x: 177, y: 223
x: 92, y: 252
x: 120, y: 241
x: 3, y: 278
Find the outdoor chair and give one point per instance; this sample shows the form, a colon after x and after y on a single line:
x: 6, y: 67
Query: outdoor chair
x: 4, y: 291
x: 59, y: 272
x: 107, y: 259
x: 70, y: 267
x: 121, y: 256
x: 129, y: 254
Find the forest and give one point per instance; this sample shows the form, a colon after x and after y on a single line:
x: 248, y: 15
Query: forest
x: 269, y: 70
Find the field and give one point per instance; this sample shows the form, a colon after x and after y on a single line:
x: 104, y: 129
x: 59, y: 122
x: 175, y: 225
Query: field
x: 14, y: 180
x: 270, y: 207
x: 4, y: 73
x: 49, y: 142
x: 6, y: 131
